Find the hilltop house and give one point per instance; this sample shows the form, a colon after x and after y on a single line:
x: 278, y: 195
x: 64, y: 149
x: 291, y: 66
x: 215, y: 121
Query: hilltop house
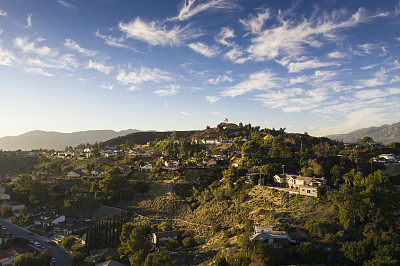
x: 148, y: 167
x: 304, y: 184
x: 160, y: 238
x: 50, y: 219
x: 74, y: 174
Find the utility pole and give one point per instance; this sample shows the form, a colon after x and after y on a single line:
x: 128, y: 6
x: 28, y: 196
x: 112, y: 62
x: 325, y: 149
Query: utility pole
x: 283, y: 169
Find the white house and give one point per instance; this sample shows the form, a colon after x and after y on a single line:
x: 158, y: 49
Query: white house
x: 4, y: 196
x: 160, y: 238
x: 148, y: 167
x: 50, y: 219
x: 267, y: 234
x: 14, y: 206
x: 97, y: 172
x: 74, y: 174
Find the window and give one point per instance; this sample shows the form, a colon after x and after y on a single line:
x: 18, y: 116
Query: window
x: 308, y: 191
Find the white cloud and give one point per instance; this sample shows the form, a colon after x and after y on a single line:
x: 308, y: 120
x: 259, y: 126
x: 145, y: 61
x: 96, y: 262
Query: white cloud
x: 98, y: 66
x: 28, y: 20
x: 71, y: 44
x: 154, y: 33
x: 189, y: 8
x: 143, y: 74
x: 224, y: 34
x: 337, y: 55
x: 185, y: 113
x: 203, y: 49
x: 212, y: 99
x: 112, y: 41
x: 368, y: 67
x: 169, y: 91
x: 301, y: 79
x: 262, y: 80
x: 220, y: 79
x: 294, y: 67
x: 66, y: 4
x: 31, y: 47
x: 39, y: 71
x: 380, y: 78
x: 290, y: 38
x: 235, y: 55
x: 255, y: 23
x: 1, y: 30
x: 294, y: 99
x: 3, y: 13
x: 107, y: 86
x: 376, y: 93
x: 7, y: 58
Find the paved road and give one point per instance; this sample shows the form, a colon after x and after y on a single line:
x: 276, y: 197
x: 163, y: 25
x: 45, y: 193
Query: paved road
x: 63, y: 259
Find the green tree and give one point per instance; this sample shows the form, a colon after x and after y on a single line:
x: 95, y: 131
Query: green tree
x: 67, y: 242
x: 188, y: 242
x: 136, y: 246
x: 221, y: 261
x: 159, y: 258
x: 171, y: 245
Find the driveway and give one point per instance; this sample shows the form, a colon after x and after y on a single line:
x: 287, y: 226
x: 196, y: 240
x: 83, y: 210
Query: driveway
x: 62, y: 257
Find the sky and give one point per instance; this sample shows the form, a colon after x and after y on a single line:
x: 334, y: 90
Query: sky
x: 321, y: 67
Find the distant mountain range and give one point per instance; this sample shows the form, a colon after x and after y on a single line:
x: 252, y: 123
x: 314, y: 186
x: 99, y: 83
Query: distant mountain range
x: 384, y: 134
x: 56, y: 140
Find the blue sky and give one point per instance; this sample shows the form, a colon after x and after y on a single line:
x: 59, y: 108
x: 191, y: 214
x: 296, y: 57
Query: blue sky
x: 320, y: 67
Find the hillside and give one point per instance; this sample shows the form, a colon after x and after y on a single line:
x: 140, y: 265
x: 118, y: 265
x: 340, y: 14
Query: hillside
x: 56, y: 140
x: 384, y: 134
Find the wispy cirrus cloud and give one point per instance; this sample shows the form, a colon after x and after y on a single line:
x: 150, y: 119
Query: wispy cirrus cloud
x: 193, y: 7
x: 66, y: 4
x: 224, y: 34
x: 3, y: 13
x: 255, y: 23
x: 155, y: 33
x: 142, y: 75
x: 290, y: 38
x: 204, y: 49
x: 28, y: 20
x: 376, y: 93
x: 71, y: 44
x: 168, y: 91
x: 7, y: 58
x: 262, y: 80
x: 212, y: 99
x: 380, y: 78
x: 112, y: 41
x: 186, y: 113
x: 294, y: 67
x: 337, y: 55
x: 107, y: 86
x: 26, y: 46
x: 99, y: 67
x: 220, y: 79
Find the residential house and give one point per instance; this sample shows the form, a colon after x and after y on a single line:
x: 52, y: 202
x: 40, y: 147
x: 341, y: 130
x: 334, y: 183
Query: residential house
x: 4, y: 196
x: 171, y: 164
x: 49, y: 219
x: 277, y: 239
x: 160, y: 238
x: 74, y: 174
x: 148, y: 167
x: 8, y: 255
x: 110, y: 263
x: 14, y: 206
x: 14, y: 178
x: 102, y: 254
x: 308, y: 191
x: 125, y: 168
x: 389, y: 158
x: 218, y: 156
x: 97, y: 172
x: 304, y: 184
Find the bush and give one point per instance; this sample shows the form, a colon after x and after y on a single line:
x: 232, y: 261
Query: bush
x: 165, y: 226
x: 215, y: 228
x: 171, y: 245
x: 188, y: 242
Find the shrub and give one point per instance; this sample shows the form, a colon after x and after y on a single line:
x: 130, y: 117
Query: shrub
x: 188, y: 242
x: 215, y: 228
x: 171, y: 245
x: 67, y: 242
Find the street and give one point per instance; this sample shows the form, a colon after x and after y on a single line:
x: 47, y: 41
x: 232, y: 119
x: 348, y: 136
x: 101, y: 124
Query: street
x: 63, y: 259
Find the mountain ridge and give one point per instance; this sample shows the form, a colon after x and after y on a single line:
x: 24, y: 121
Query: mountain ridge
x: 39, y: 139
x: 384, y: 134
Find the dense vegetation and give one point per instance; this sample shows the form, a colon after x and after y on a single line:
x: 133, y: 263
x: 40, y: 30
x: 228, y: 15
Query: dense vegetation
x: 214, y: 207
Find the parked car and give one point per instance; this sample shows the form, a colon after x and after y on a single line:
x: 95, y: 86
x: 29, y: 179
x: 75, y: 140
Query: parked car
x: 53, y: 260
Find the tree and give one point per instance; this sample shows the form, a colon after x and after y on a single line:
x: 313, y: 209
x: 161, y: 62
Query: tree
x: 67, y: 242
x: 136, y: 246
x: 159, y: 258
x: 221, y: 261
